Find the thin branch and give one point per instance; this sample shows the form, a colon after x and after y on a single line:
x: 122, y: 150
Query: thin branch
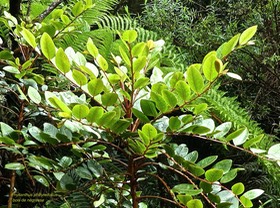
x: 45, y: 13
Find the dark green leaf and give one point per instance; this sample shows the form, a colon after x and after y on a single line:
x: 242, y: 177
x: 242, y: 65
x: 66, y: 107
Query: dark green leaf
x: 14, y: 166
x: 148, y: 107
x: 140, y: 115
x: 109, y: 99
x: 41, y: 179
x: 207, y: 161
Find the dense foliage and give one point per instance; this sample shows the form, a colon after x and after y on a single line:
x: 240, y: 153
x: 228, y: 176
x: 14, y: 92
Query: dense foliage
x: 94, y: 116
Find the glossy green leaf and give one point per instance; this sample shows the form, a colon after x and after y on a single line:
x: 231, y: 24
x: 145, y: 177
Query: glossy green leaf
x: 59, y: 104
x: 121, y: 125
x: 222, y: 130
x: 208, y: 67
x: 183, y: 90
x: 102, y: 63
x: 200, y: 108
x: 95, y: 113
x: 41, y: 179
x: 106, y: 118
x: 5, y: 129
x: 239, y: 136
x: 184, y: 198
x: 34, y: 95
x: 140, y: 115
x: 141, y: 82
x: 229, y: 176
x: 84, y: 173
x: 148, y: 107
x: 29, y: 37
x: 124, y: 56
x: 79, y: 77
x: 195, y: 203
x: 109, y: 99
x: 149, y: 131
x: 139, y: 63
x: 11, y: 69
x: 62, y: 62
x: 129, y: 36
x: 224, y: 165
x: 254, y: 193
x: 169, y: 98
x: 95, y: 87
x: 80, y: 111
x: 207, y: 187
x: 92, y: 49
x: 140, y: 49
x: 207, y: 161
x: 195, y: 79
x: 174, y: 123
x: 213, y: 174
x: 253, y: 141
x: 65, y: 161
x: 7, y: 140
x: 228, y: 47
x: 247, y: 35
x: 238, y: 188
x: 14, y: 166
x: 47, y: 46
x: 159, y: 101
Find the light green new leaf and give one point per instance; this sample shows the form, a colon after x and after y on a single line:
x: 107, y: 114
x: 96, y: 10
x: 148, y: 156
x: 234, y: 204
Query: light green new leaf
x: 139, y: 63
x: 109, y: 99
x: 195, y: 203
x: 238, y: 188
x: 78, y: 8
x: 14, y: 166
x: 62, y: 62
x: 79, y: 77
x: 246, y: 202
x: 149, y: 131
x: 253, y: 141
x: 95, y: 87
x: 209, y: 68
x: 7, y: 140
x: 80, y: 111
x: 227, y: 47
x: 92, y: 49
x: 183, y: 90
x: 124, y: 56
x: 102, y: 63
x: 47, y: 46
x: 59, y: 104
x: 121, y: 125
x: 213, y: 174
x: 140, y: 49
x: 29, y: 37
x: 195, y: 79
x: 129, y: 36
x: 141, y: 82
x: 247, y: 35
x: 34, y: 95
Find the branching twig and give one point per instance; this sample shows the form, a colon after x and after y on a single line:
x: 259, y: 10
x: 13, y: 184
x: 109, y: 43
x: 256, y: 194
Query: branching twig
x: 45, y: 13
